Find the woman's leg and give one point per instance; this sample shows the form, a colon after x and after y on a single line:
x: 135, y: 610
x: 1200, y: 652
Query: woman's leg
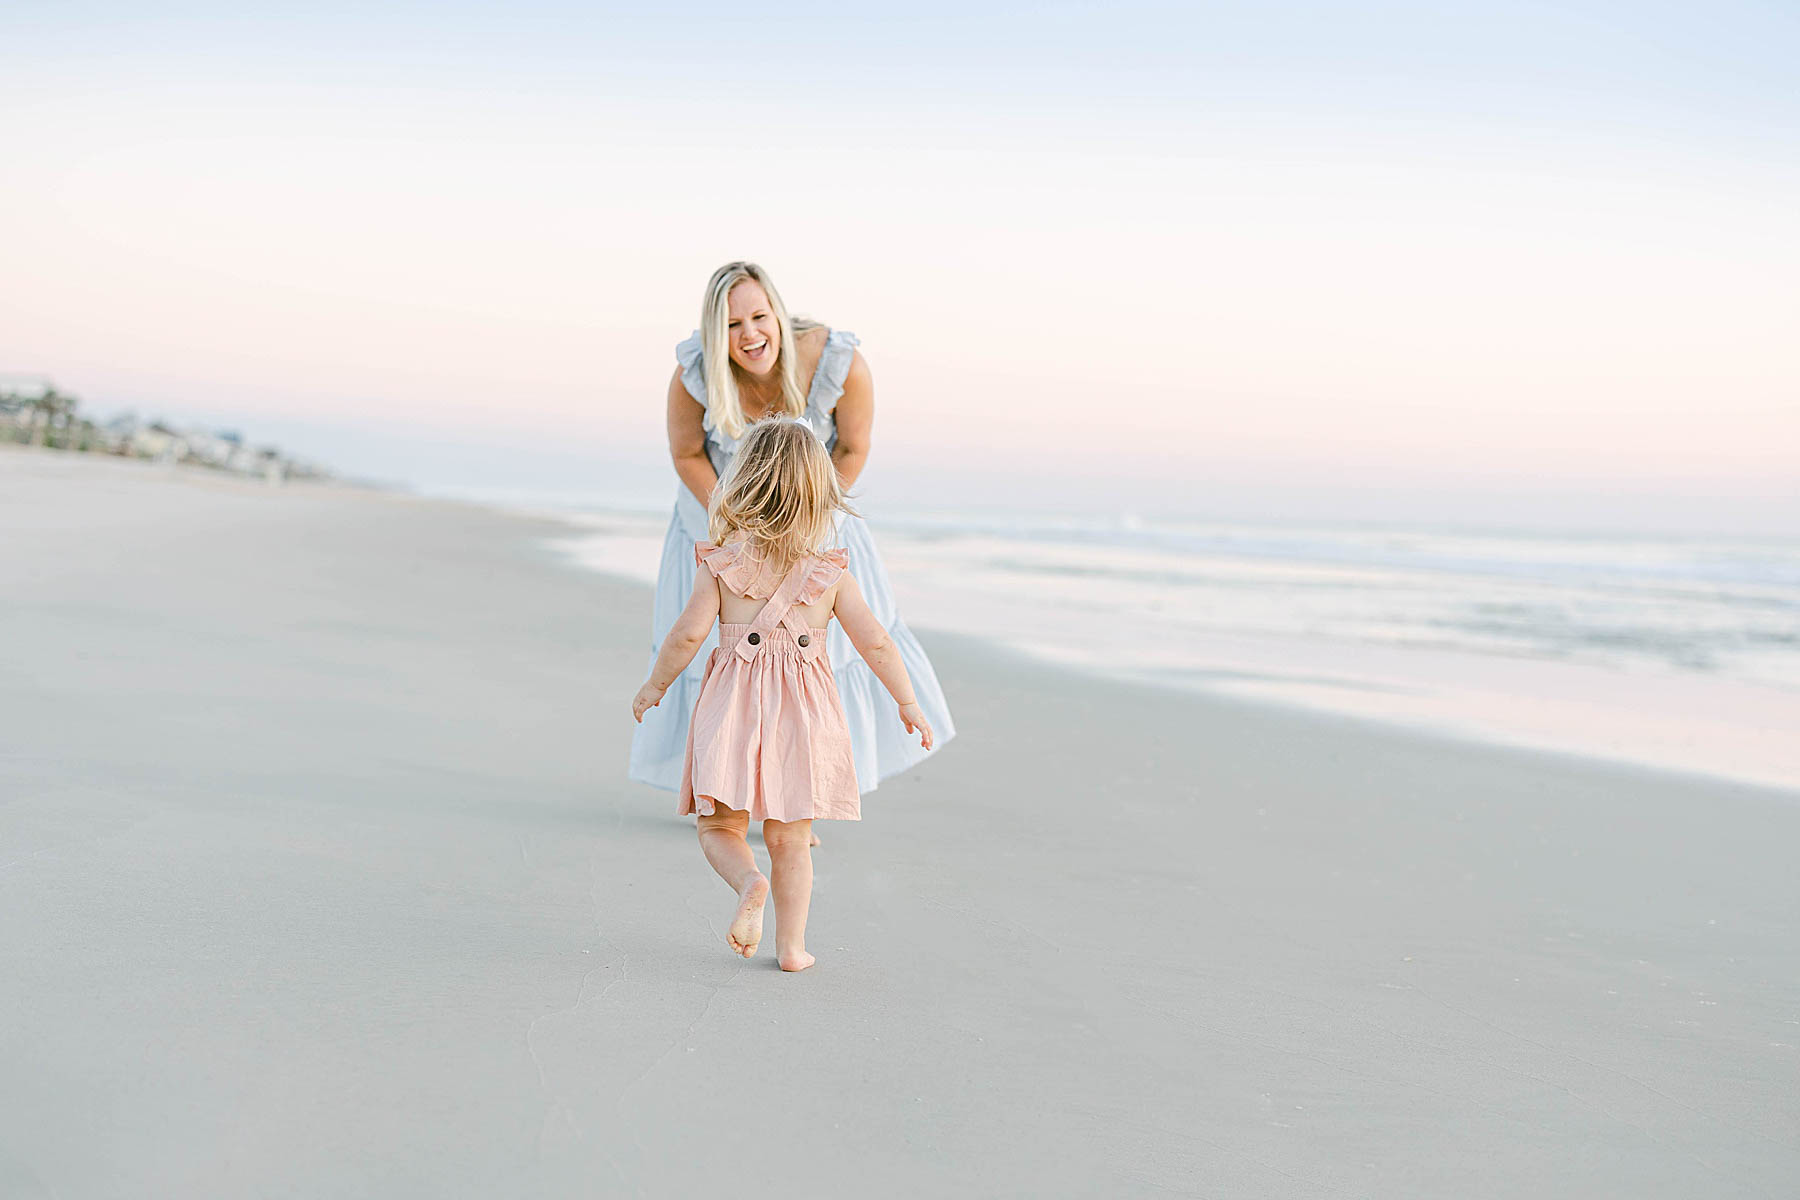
x: 790, y: 862
x: 722, y: 841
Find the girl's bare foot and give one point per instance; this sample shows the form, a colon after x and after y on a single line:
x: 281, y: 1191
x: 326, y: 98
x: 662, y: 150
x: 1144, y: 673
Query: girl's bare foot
x: 814, y: 841
x: 795, y: 960
x: 746, y: 927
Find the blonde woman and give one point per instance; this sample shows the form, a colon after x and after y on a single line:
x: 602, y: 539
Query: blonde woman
x: 750, y: 359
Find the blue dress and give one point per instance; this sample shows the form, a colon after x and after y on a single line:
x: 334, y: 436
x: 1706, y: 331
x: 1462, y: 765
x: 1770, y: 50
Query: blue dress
x: 879, y: 742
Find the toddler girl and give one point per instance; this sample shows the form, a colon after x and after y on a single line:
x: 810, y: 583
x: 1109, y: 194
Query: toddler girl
x: 768, y: 739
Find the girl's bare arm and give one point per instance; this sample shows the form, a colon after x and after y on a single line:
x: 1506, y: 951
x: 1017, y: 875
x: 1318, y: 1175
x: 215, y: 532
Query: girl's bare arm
x: 687, y: 442
x: 871, y: 639
x: 685, y: 639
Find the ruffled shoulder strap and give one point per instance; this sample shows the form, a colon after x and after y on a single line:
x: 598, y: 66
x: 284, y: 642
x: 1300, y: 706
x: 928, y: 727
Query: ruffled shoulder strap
x: 693, y: 369
x: 732, y: 566
x: 824, y: 570
x: 833, y: 369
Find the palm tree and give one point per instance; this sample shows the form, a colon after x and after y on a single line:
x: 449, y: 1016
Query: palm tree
x: 55, y: 422
x: 70, y: 423
x: 41, y: 408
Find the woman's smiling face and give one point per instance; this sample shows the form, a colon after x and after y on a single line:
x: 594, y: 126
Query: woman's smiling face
x: 750, y: 328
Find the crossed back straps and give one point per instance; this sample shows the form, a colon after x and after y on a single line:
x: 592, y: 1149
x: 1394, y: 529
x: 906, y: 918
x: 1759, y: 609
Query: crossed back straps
x: 779, y: 610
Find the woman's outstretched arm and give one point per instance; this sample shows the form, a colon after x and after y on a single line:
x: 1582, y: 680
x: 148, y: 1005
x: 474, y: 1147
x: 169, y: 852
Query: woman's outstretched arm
x: 687, y: 442
x: 855, y: 421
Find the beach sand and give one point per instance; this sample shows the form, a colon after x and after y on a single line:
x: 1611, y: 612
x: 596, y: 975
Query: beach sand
x: 320, y: 876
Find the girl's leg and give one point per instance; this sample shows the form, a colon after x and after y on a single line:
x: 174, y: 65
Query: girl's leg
x: 722, y: 841
x: 790, y: 862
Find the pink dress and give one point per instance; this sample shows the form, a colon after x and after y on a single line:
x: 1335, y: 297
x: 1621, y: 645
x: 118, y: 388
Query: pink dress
x: 768, y: 734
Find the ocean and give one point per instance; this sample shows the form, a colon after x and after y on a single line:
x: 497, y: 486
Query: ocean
x: 1676, y: 653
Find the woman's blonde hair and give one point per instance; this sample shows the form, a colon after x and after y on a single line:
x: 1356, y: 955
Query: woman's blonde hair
x: 780, y: 492
x: 715, y: 346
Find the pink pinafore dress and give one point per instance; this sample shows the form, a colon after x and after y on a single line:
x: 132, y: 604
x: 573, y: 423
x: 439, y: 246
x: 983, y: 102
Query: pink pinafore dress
x: 768, y: 735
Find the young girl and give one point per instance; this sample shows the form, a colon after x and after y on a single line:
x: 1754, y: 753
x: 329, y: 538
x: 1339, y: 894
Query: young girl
x: 768, y: 738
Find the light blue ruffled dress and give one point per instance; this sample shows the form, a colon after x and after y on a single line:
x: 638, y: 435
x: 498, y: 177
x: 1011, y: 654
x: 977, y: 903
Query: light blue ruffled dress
x: 879, y: 742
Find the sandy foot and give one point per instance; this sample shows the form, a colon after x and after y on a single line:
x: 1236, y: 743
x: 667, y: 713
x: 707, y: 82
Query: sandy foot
x: 746, y: 926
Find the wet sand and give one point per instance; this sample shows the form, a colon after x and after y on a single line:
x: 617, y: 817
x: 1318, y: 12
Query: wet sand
x: 320, y: 875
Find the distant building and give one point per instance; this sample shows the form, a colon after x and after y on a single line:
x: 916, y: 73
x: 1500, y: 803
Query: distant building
x: 26, y: 388
x: 32, y: 410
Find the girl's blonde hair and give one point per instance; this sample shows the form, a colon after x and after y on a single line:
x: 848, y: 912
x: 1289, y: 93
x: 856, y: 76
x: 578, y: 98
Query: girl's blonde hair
x: 715, y: 346
x: 780, y: 492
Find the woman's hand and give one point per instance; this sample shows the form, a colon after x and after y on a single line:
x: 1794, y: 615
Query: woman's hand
x: 913, y: 717
x: 647, y: 698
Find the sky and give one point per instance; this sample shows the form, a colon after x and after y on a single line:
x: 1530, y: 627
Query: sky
x: 1505, y: 264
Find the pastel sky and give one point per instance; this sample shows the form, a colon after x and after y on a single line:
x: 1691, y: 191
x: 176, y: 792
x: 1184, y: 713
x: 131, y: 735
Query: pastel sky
x: 1534, y: 263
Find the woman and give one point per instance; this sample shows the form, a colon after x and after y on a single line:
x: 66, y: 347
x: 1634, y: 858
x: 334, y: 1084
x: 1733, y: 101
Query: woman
x: 749, y: 360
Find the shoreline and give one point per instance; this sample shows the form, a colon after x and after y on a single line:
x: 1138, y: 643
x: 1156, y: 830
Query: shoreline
x: 317, y: 843
x: 1688, y: 725
x: 1250, y: 689
x: 565, y: 551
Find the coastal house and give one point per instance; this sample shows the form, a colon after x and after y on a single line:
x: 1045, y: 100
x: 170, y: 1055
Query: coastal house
x: 32, y: 410
x: 214, y: 449
x: 115, y: 435
x: 23, y: 389
x: 158, y: 441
